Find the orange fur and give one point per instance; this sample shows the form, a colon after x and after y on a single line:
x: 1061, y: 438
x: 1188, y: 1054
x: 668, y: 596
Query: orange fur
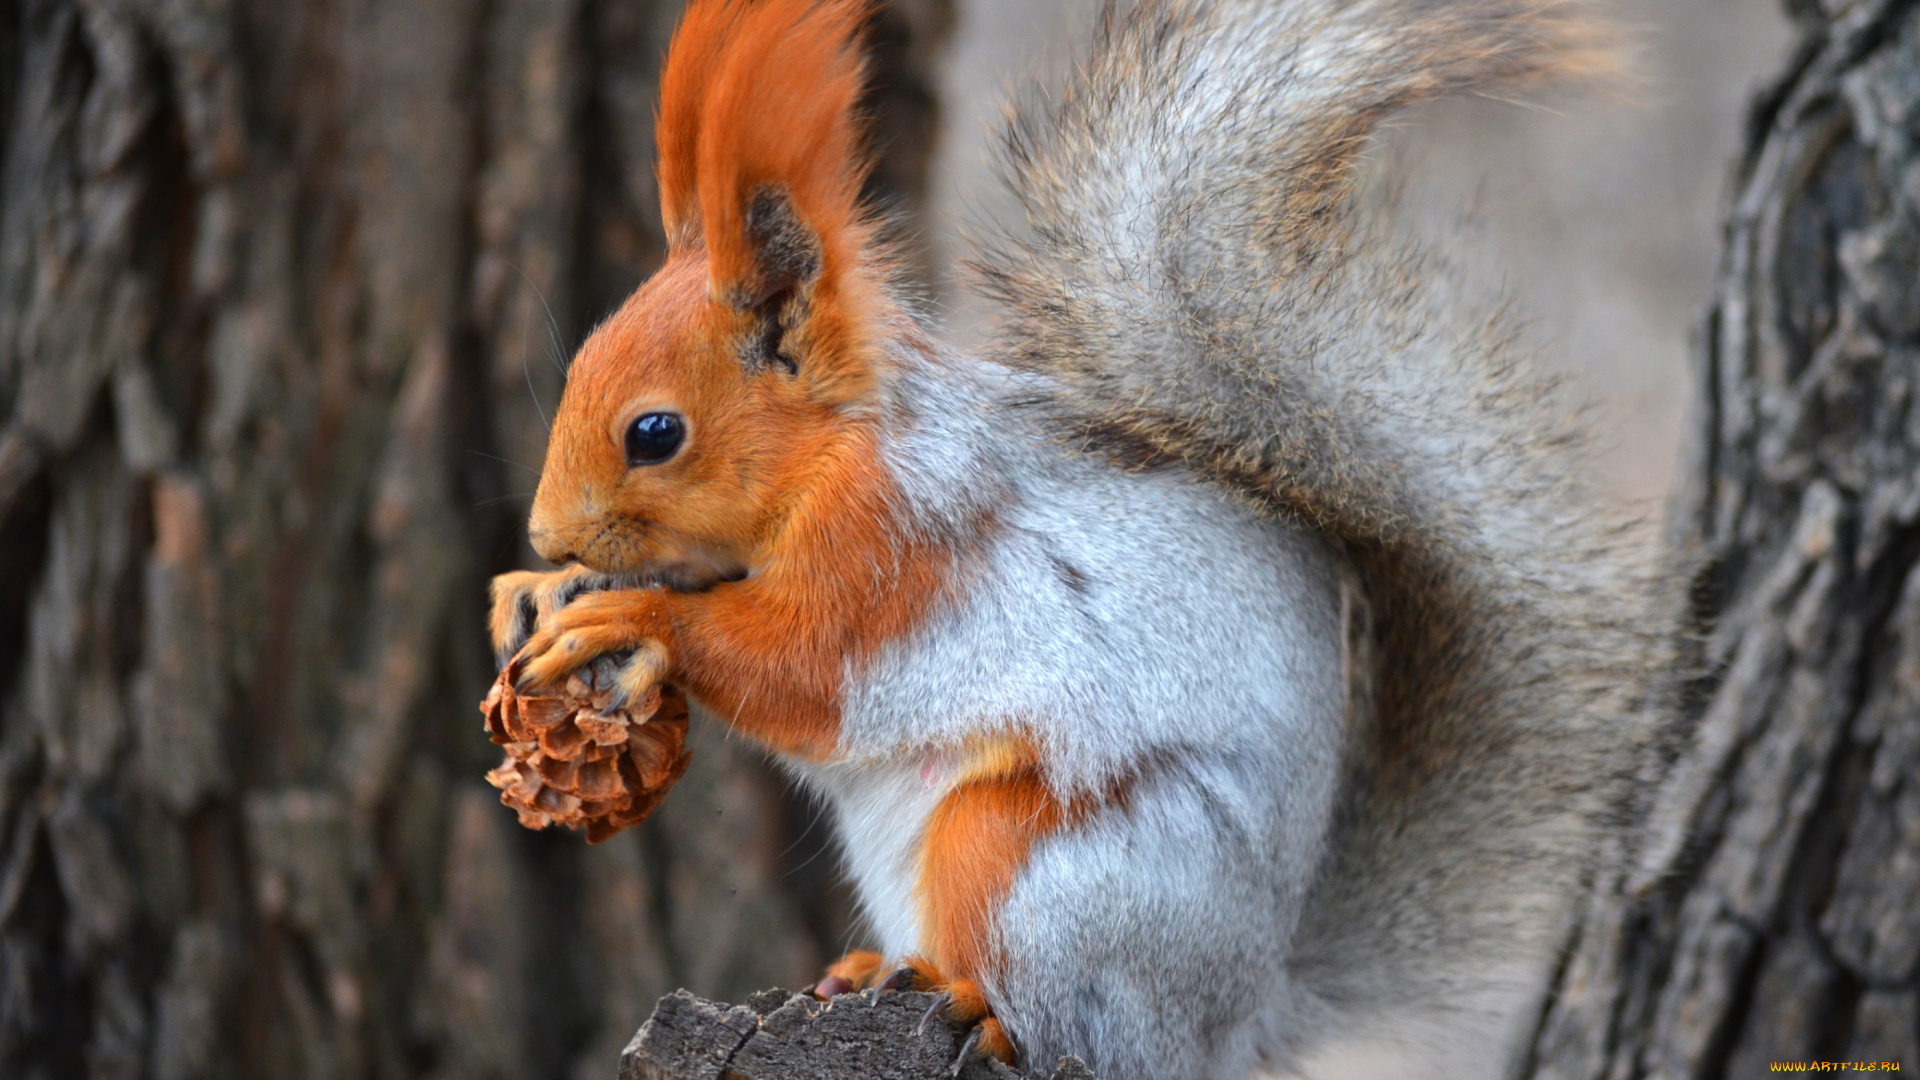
x: 861, y: 968
x: 762, y: 93
x: 976, y: 842
x: 779, y: 111
x: 966, y: 1001
x: 995, y: 1041
x: 979, y: 838
x: 771, y: 481
x: 693, y: 62
x: 750, y: 439
x: 510, y: 589
x: 770, y: 652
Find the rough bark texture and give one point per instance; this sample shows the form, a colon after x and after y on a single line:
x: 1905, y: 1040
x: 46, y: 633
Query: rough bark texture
x: 1772, y: 909
x: 284, y: 291
x: 782, y: 1036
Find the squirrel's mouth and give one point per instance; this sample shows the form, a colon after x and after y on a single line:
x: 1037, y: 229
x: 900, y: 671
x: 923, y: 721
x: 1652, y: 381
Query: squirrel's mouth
x: 671, y: 576
x: 662, y: 560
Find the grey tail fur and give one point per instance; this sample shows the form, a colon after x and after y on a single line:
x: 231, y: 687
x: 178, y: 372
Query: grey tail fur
x: 1204, y: 284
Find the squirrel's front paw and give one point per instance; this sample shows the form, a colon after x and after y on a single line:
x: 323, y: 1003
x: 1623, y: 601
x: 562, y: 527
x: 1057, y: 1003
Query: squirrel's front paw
x: 961, y: 1002
x: 596, y: 625
x: 526, y: 599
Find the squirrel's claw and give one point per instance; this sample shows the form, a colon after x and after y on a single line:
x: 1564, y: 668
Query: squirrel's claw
x: 988, y: 1037
x: 904, y: 979
x: 966, y: 1053
x: 940, y: 1005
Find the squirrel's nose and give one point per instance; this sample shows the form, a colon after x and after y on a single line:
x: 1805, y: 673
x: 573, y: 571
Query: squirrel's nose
x: 551, y: 547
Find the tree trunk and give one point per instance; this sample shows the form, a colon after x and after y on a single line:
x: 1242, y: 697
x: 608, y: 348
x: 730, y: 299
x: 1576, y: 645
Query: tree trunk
x: 285, y: 288
x: 1771, y: 911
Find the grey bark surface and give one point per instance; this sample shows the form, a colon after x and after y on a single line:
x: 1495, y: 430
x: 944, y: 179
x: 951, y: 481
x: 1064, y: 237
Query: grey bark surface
x: 1771, y: 908
x: 782, y: 1036
x: 285, y: 288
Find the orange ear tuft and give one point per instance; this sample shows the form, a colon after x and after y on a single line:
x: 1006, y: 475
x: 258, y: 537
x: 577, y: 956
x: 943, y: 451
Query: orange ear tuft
x: 757, y: 100
x: 693, y: 64
x: 780, y: 120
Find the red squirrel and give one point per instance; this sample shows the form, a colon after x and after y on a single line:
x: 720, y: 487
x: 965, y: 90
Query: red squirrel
x: 1224, y: 673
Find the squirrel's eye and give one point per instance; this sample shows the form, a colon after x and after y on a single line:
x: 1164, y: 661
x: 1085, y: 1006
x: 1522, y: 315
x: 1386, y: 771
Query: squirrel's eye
x: 654, y: 437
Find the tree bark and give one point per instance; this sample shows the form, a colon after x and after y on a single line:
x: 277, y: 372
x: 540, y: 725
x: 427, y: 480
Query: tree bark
x: 1771, y: 910
x: 285, y: 291
x: 780, y: 1036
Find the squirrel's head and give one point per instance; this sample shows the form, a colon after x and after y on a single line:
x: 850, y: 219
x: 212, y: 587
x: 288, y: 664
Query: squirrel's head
x: 693, y: 416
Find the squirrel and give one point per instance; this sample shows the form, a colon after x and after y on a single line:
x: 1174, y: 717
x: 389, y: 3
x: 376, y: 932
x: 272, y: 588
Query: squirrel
x: 1227, y: 670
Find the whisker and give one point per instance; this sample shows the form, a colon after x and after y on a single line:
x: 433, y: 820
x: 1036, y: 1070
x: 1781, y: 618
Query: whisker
x: 553, y: 326
x: 528, y: 373
x: 818, y: 813
x: 808, y: 861
x: 504, y: 461
x: 496, y: 500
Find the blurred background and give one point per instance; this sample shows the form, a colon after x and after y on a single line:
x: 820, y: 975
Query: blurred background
x: 286, y: 290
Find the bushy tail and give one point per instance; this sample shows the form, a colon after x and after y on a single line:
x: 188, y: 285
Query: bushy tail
x: 1201, y: 284
x: 1192, y: 200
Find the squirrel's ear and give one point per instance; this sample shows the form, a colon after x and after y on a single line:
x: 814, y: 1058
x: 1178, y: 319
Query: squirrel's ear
x: 757, y: 130
x: 693, y: 64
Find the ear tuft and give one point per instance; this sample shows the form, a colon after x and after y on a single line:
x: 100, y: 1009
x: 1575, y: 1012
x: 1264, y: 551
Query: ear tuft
x: 693, y: 63
x: 757, y: 123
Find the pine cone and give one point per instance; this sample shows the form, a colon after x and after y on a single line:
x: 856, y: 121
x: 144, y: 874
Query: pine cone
x: 572, y: 761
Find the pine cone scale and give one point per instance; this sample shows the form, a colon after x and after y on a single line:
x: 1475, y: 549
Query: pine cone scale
x: 574, y: 759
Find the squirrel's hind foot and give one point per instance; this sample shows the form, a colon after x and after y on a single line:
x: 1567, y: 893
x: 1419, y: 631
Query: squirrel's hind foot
x: 850, y: 974
x: 961, y: 1002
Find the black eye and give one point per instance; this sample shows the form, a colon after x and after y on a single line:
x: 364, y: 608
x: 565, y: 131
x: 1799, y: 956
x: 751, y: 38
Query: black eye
x: 654, y: 437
